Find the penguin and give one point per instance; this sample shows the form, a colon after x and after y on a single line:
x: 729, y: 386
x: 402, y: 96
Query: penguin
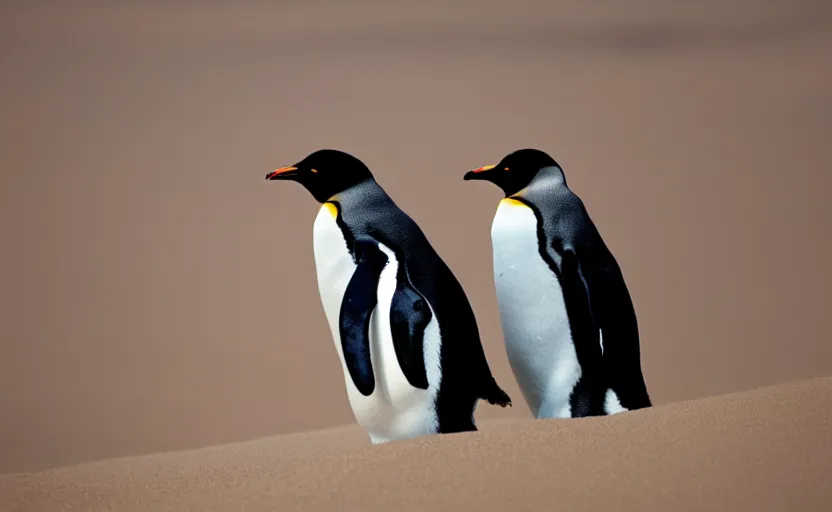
x: 405, y: 333
x: 568, y: 321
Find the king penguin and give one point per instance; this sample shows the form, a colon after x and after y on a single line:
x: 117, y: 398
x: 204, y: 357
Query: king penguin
x: 568, y: 321
x: 405, y: 333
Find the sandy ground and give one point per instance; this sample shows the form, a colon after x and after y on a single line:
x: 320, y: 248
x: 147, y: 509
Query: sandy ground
x: 157, y: 294
x: 767, y: 449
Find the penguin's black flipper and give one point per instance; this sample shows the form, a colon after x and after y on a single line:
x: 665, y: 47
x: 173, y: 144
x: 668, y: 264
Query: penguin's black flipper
x: 409, y: 316
x: 357, y: 306
x: 616, y: 317
x: 587, y: 398
x: 578, y: 301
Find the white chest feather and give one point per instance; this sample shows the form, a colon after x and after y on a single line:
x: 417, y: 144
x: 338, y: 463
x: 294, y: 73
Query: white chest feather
x: 532, y: 313
x: 395, y: 410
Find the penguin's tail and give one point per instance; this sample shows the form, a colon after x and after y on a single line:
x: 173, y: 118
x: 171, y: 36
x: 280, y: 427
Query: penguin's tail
x: 494, y: 395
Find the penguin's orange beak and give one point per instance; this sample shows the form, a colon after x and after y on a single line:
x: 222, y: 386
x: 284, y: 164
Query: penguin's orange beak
x: 282, y: 173
x: 476, y: 174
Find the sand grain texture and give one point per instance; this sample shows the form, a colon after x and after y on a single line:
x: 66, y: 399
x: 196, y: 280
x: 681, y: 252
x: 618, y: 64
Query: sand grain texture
x: 768, y: 449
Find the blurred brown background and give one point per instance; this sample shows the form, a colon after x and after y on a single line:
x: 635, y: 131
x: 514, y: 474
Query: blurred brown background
x: 158, y: 294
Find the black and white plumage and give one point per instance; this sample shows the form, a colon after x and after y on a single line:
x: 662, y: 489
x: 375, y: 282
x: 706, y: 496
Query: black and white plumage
x: 568, y: 321
x: 404, y: 330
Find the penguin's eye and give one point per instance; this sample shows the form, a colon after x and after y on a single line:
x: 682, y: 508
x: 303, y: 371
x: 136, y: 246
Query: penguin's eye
x: 506, y: 169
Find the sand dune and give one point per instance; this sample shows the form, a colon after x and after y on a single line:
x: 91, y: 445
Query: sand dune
x: 764, y: 450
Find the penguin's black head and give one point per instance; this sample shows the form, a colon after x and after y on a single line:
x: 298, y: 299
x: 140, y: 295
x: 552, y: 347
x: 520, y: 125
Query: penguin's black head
x: 515, y: 171
x: 324, y: 173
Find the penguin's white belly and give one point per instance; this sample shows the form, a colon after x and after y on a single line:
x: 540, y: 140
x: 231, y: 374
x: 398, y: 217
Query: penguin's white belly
x: 533, y: 314
x: 395, y: 410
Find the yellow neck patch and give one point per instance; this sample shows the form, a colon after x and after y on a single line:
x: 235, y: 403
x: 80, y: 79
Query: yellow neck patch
x: 332, y: 209
x: 510, y: 201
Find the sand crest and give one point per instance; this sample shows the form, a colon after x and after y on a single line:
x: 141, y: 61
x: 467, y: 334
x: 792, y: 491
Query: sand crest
x: 766, y: 449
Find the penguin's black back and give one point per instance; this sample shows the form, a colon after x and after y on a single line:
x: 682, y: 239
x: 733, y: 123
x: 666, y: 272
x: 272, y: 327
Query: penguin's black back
x: 565, y: 227
x: 367, y: 210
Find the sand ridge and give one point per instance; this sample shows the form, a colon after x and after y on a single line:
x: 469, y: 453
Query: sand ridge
x: 764, y: 449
